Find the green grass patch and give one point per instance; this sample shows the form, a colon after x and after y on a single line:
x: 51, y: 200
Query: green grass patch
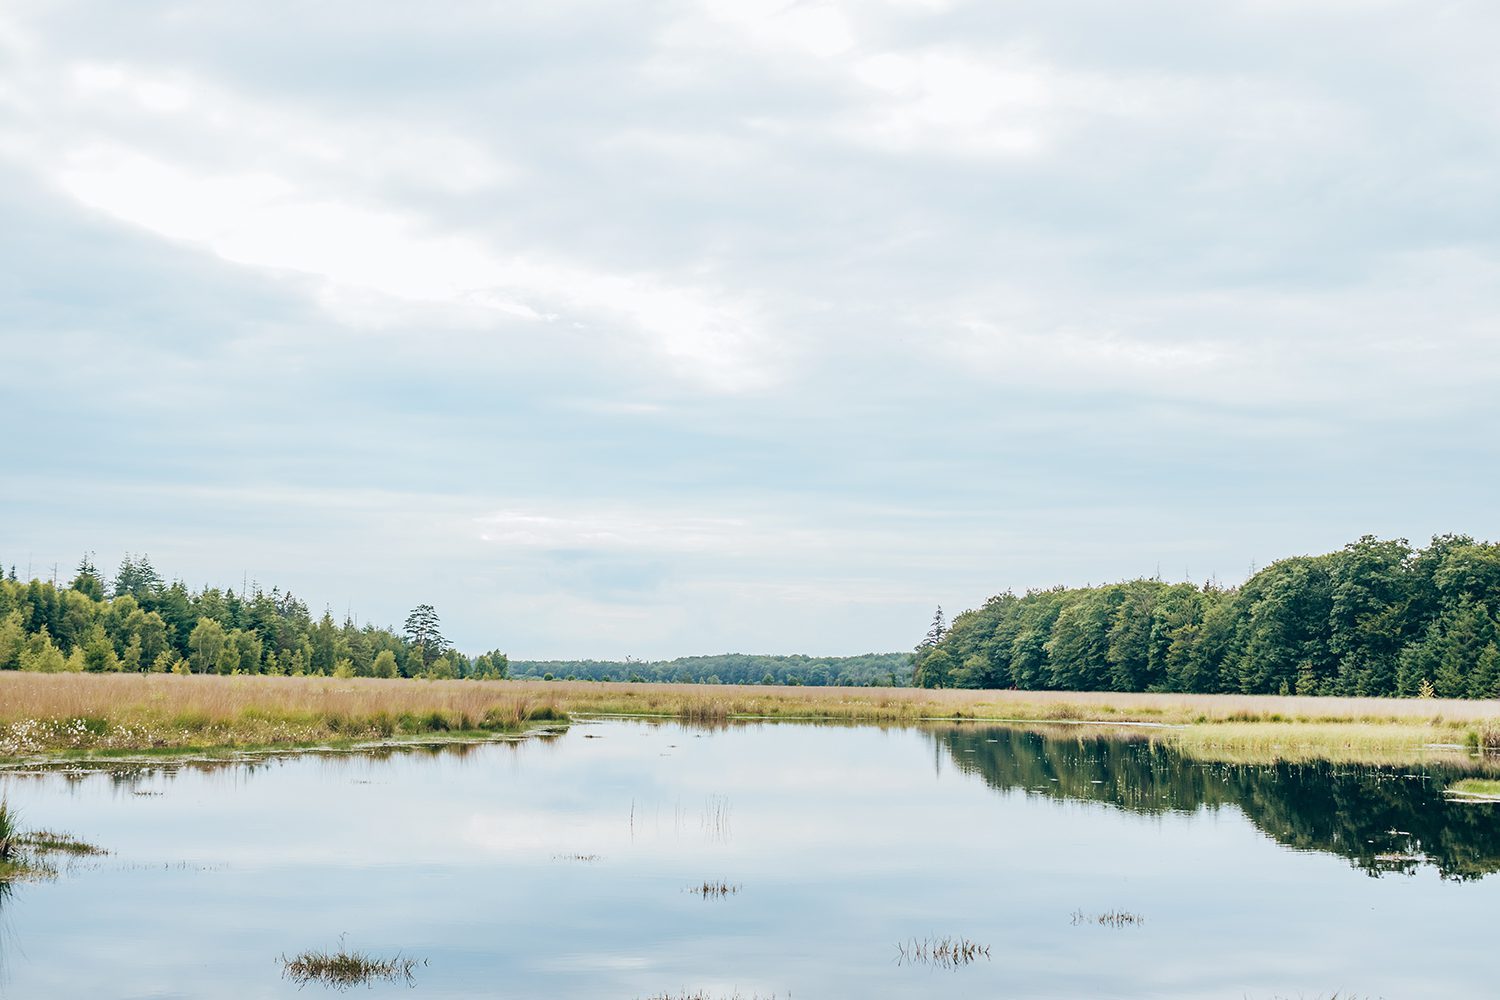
x: 50, y: 841
x: 1477, y: 787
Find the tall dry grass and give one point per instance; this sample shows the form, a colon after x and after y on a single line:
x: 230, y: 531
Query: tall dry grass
x: 47, y: 712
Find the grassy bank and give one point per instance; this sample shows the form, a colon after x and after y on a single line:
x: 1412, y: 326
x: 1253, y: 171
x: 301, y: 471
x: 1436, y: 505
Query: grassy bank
x: 51, y: 713
x: 111, y: 713
x: 1477, y: 788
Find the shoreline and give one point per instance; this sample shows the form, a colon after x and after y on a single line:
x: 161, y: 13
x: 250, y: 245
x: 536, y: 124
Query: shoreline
x: 55, y: 717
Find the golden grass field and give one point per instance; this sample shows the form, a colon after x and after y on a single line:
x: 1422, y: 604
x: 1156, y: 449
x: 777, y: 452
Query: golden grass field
x: 50, y: 713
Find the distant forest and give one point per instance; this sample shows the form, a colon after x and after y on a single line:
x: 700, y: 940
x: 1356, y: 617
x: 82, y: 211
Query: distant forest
x: 868, y: 670
x: 1377, y: 617
x: 138, y: 622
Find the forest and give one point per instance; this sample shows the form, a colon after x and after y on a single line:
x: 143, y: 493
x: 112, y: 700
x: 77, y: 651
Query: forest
x: 867, y: 670
x: 1377, y: 617
x: 138, y: 622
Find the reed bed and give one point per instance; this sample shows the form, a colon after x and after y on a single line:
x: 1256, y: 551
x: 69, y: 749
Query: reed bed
x: 1109, y: 918
x: 1345, y: 742
x: 24, y: 854
x: 345, y: 970
x: 48, y: 713
x: 715, y: 890
x: 10, y: 833
x: 50, y: 841
x: 943, y: 952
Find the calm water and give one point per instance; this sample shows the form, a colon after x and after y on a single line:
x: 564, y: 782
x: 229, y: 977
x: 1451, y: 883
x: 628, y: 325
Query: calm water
x: 1252, y: 882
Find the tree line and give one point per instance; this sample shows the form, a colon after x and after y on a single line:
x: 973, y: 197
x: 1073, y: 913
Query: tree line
x: 1377, y: 617
x: 866, y: 670
x: 139, y: 622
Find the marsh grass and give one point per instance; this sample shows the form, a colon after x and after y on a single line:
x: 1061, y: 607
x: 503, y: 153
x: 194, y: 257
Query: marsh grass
x: 943, y: 952
x: 715, y: 890
x: 52, y: 842
x: 10, y: 833
x: 344, y: 969
x: 104, y: 713
x: 26, y: 855
x: 154, y: 712
x: 704, y: 995
x: 1359, y: 741
x: 1109, y: 918
x: 1477, y: 788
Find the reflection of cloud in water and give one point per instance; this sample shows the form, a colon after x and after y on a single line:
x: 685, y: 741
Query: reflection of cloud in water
x: 595, y: 962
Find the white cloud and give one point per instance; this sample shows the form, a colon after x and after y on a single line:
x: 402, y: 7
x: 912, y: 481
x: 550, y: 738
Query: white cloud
x: 272, y: 193
x: 679, y: 291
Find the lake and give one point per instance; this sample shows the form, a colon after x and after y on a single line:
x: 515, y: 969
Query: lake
x: 561, y: 867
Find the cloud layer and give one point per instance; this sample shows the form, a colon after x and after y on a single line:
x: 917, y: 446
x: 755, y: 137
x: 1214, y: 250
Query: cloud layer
x: 700, y: 326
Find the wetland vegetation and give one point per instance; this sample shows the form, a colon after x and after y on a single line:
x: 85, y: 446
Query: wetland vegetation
x: 941, y: 952
x: 29, y: 854
x: 344, y: 969
x: 710, y: 889
x: 131, y: 714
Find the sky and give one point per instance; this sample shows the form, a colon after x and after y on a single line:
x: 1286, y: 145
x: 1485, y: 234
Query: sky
x: 700, y: 326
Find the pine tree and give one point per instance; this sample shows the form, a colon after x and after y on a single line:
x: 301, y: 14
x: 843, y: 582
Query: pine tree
x: 423, y: 631
x: 936, y: 632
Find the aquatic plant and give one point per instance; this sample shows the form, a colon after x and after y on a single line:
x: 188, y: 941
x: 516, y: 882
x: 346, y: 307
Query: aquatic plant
x: 1109, y: 918
x: 23, y: 855
x: 50, y: 841
x: 9, y: 833
x: 345, y: 969
x: 943, y: 952
x: 715, y: 890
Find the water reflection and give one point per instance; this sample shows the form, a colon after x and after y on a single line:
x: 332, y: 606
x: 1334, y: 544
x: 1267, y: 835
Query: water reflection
x: 1383, y: 819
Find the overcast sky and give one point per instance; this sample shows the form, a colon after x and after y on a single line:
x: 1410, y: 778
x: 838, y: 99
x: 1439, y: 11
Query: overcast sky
x: 664, y: 328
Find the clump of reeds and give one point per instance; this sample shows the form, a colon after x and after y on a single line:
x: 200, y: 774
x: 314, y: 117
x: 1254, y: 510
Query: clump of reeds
x: 10, y: 835
x: 704, y: 995
x: 1486, y: 738
x: 715, y: 890
x: 24, y: 855
x: 943, y: 952
x: 345, y: 969
x: 575, y: 857
x: 713, y: 711
x: 1109, y: 918
x: 48, y: 841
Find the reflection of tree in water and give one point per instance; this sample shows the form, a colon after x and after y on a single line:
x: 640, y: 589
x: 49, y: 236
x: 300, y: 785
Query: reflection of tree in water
x: 1381, y: 818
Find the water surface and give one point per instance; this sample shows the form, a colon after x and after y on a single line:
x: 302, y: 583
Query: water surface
x: 560, y: 868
